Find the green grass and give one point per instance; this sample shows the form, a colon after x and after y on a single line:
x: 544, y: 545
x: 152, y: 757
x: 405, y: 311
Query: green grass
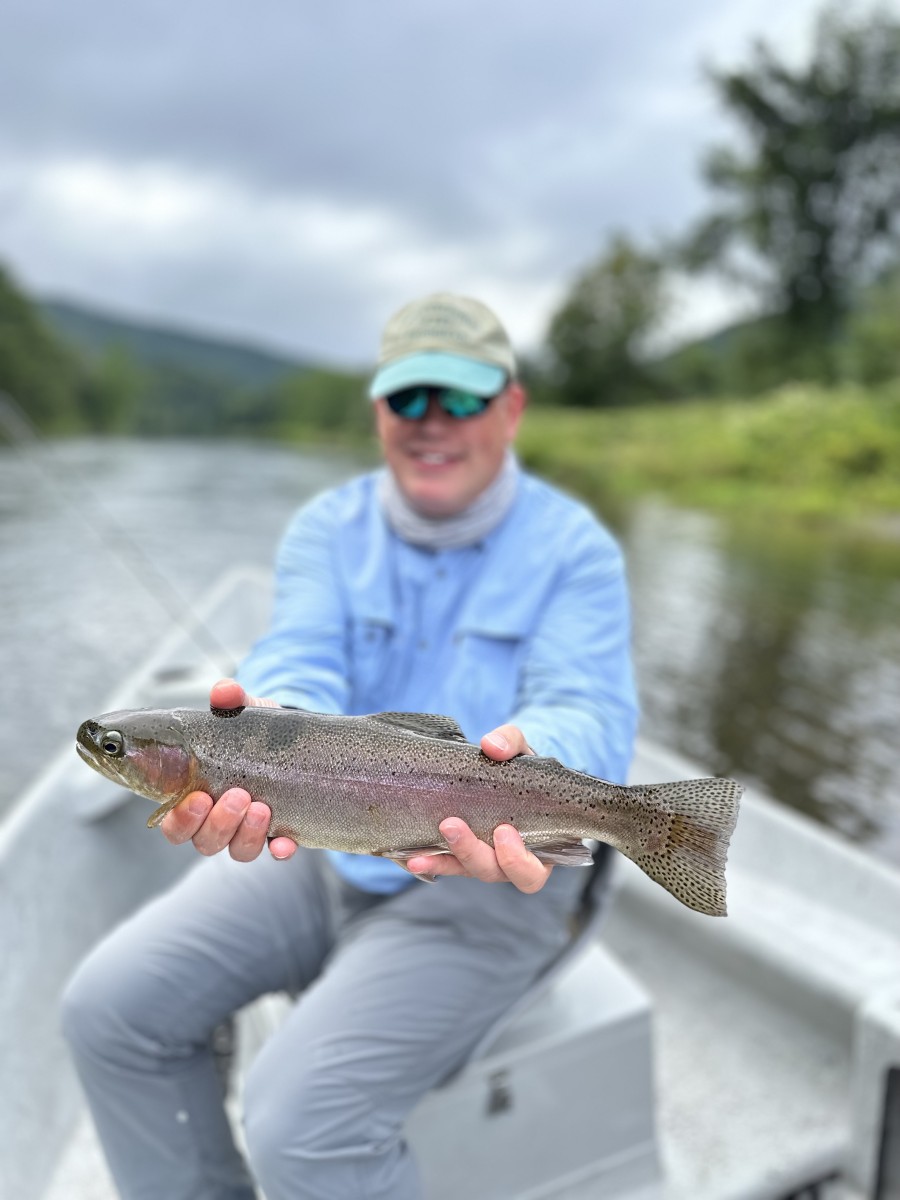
x: 801, y: 450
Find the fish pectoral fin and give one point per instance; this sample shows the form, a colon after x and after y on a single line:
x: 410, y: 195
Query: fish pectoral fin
x: 158, y: 813
x: 402, y: 857
x: 563, y: 852
x: 428, y: 724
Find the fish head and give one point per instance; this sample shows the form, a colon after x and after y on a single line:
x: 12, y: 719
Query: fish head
x: 144, y: 750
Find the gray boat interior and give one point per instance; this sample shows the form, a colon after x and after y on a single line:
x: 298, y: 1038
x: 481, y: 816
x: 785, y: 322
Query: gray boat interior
x: 667, y: 1054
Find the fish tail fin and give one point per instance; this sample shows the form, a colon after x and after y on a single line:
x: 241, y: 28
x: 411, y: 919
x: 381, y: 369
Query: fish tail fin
x: 687, y: 846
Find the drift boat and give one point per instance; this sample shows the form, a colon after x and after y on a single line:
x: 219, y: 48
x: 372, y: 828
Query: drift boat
x: 666, y: 1055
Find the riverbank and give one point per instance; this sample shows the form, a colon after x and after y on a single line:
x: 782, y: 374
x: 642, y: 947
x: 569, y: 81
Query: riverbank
x: 800, y: 451
x: 821, y: 456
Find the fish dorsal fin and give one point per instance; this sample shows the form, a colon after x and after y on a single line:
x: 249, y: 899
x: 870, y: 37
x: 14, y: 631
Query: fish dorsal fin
x: 427, y: 724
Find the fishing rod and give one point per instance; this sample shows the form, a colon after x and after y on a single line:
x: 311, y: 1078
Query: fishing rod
x: 26, y: 440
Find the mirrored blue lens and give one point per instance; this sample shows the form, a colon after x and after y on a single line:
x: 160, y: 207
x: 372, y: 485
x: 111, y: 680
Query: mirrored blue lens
x: 462, y: 404
x: 412, y: 403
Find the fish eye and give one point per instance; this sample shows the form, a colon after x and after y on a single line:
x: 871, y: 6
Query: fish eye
x: 112, y: 743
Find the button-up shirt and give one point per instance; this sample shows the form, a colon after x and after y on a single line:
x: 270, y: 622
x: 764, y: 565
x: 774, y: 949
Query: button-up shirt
x: 529, y: 626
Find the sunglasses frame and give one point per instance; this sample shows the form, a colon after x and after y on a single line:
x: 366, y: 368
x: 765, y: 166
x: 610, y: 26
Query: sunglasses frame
x: 417, y: 399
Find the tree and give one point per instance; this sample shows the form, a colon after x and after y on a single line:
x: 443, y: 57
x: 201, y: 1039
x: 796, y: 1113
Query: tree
x: 815, y: 197
x: 871, y: 347
x: 38, y: 372
x: 111, y: 392
x: 595, y: 337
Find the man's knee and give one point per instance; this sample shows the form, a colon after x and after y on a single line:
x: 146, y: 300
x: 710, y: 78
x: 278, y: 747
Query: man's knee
x: 321, y: 1109
x: 103, y: 1010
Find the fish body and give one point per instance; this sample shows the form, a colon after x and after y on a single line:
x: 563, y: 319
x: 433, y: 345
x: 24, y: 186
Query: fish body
x: 381, y: 784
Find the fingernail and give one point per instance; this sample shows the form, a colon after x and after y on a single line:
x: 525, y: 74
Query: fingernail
x: 255, y: 818
x: 498, y: 740
x: 197, y: 807
x: 234, y: 802
x: 451, y: 833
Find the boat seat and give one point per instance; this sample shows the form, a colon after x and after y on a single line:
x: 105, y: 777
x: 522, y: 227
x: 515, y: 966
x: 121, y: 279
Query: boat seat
x: 556, y: 1100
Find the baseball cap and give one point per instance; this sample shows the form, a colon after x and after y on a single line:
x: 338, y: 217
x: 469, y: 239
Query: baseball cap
x: 445, y: 340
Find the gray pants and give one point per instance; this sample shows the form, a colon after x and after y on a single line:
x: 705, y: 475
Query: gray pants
x: 395, y: 993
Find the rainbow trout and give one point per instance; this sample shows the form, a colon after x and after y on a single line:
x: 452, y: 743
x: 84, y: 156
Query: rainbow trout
x: 381, y: 784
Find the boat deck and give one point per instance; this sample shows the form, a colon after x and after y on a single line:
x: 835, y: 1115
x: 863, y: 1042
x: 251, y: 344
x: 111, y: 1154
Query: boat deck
x: 740, y: 1084
x: 754, y: 1017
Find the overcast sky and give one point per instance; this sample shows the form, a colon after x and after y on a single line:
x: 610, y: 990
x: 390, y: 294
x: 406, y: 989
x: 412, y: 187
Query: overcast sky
x: 291, y: 172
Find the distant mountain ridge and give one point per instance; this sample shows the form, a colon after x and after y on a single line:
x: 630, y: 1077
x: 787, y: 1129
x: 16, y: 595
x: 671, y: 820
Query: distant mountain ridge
x: 93, y: 334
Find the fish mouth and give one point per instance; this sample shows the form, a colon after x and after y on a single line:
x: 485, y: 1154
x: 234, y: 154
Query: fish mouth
x: 87, y: 751
x: 85, y: 754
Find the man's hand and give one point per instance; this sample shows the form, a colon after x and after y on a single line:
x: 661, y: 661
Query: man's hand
x: 234, y: 820
x: 507, y: 861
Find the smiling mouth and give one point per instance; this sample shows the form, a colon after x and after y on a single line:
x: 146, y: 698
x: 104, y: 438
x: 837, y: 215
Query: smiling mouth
x: 433, y: 458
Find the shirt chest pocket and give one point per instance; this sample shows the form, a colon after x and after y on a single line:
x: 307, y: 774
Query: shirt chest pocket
x: 370, y: 653
x: 487, y: 671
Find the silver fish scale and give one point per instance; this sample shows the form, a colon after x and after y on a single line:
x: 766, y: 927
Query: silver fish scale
x: 382, y: 784
x: 369, y: 786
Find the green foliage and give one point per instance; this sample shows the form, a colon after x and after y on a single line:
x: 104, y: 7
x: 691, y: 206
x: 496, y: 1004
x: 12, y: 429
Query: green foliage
x: 871, y: 348
x: 111, y: 392
x: 323, y: 402
x: 112, y: 377
x: 595, y: 336
x: 327, y: 400
x: 96, y: 335
x: 41, y: 376
x: 814, y: 199
x: 801, y: 449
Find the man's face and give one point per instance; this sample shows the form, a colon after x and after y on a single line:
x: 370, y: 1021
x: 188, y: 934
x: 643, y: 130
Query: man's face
x: 442, y: 463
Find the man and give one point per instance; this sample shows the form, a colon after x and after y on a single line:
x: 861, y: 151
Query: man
x: 448, y: 582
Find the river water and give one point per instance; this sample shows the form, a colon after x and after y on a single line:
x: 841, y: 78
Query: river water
x: 767, y: 653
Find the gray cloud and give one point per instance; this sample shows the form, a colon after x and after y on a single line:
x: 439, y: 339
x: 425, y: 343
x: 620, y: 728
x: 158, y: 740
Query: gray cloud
x: 480, y: 145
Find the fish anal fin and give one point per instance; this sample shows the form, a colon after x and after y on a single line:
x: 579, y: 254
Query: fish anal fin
x: 427, y: 724
x: 562, y: 852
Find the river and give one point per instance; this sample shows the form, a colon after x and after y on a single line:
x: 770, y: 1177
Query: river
x: 767, y: 653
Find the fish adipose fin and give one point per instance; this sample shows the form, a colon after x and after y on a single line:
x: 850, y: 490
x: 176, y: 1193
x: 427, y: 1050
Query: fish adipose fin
x: 427, y: 724
x: 688, y: 842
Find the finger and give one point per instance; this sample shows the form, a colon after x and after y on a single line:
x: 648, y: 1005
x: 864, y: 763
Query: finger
x: 435, y: 864
x: 228, y: 693
x: 505, y: 742
x: 250, y: 838
x: 477, y: 857
x: 282, y: 847
x: 182, y: 822
x: 517, y: 862
x: 222, y: 823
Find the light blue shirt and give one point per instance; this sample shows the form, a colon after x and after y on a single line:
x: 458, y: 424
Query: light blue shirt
x: 531, y: 626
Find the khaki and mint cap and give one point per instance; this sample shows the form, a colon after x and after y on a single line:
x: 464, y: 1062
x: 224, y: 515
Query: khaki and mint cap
x: 447, y: 341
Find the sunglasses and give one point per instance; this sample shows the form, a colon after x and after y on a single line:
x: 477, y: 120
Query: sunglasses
x: 412, y: 403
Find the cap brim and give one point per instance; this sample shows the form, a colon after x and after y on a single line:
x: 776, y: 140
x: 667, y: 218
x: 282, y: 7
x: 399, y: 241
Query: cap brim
x: 440, y: 370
